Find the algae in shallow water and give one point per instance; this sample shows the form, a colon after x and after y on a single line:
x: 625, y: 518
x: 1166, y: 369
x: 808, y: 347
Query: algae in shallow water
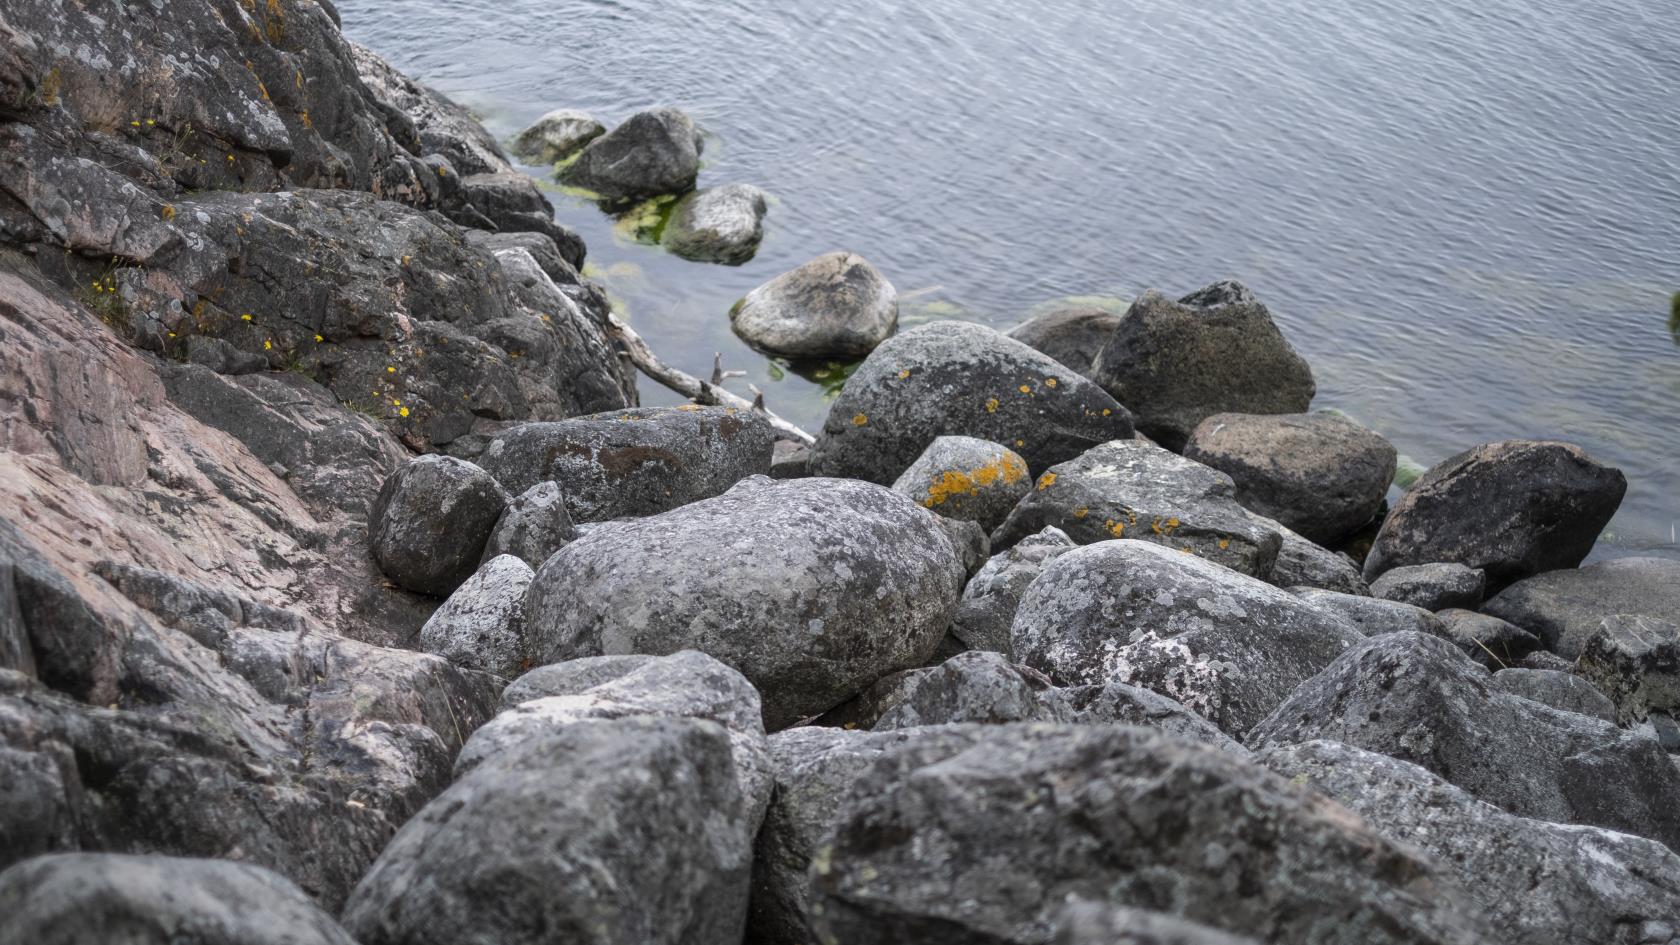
x: 645, y: 222
x: 1674, y: 317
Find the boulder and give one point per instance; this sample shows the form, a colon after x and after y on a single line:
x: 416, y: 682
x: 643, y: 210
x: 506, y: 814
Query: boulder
x: 556, y: 136
x: 1320, y: 473
x: 1566, y: 608
x: 430, y: 521
x: 1565, y: 692
x: 1635, y: 661
x: 1492, y: 642
x: 1214, y: 351
x: 1227, y: 646
x: 1136, y: 490
x: 718, y: 224
x: 482, y: 625
x: 633, y: 462
x: 977, y: 687
x: 960, y: 379
x: 1115, y: 703
x: 1085, y: 922
x: 1071, y: 335
x: 965, y: 478
x: 790, y: 460
x: 534, y: 525
x: 1300, y: 563
x: 1372, y: 616
x: 1432, y: 586
x: 1418, y: 699
x: 1511, y: 509
x: 989, y: 600
x: 811, y: 588
x: 653, y: 153
x: 836, y: 306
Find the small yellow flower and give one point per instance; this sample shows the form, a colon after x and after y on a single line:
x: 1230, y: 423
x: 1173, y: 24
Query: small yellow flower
x: 395, y: 402
x: 135, y: 124
x: 245, y: 317
x: 403, y: 411
x: 390, y: 370
x: 268, y: 345
x: 319, y: 339
x: 151, y: 121
x: 171, y: 334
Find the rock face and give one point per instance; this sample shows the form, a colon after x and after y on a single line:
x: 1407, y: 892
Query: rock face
x: 1072, y: 336
x: 812, y: 588
x: 1214, y: 351
x: 1566, y: 608
x: 1432, y: 586
x: 428, y: 527
x: 482, y: 625
x: 960, y: 379
x: 1318, y: 473
x: 653, y: 153
x: 1228, y: 647
x: 965, y: 478
x: 533, y: 526
x: 719, y: 224
x: 836, y: 306
x: 557, y: 136
x: 1636, y: 662
x: 70, y: 898
x: 991, y: 596
x: 1511, y: 509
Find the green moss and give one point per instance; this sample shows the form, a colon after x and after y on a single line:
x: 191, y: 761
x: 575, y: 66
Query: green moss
x: 1674, y: 317
x: 645, y: 222
x: 1408, y: 471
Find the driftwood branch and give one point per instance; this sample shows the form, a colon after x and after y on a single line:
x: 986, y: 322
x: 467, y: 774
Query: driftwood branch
x: 701, y: 392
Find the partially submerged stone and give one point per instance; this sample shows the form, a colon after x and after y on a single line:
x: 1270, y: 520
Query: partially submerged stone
x: 836, y: 306
x: 962, y: 477
x: 718, y: 224
x: 429, y: 524
x: 556, y: 136
x: 653, y: 153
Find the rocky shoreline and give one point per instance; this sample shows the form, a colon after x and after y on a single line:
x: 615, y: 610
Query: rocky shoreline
x: 348, y: 594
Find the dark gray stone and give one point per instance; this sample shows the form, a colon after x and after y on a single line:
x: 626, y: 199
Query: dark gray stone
x: 556, y: 136
x: 965, y: 478
x: 1432, y: 586
x: 1300, y: 563
x: 1635, y: 661
x: 1566, y: 692
x: 1372, y: 616
x: 482, y: 625
x: 989, y: 600
x: 534, y: 526
x: 1565, y: 608
x: 836, y: 306
x: 718, y: 224
x: 790, y: 460
x: 1492, y: 642
x: 430, y: 521
x: 653, y: 153
x: 1071, y: 335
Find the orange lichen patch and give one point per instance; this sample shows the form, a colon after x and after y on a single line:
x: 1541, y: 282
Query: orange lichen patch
x: 955, y: 483
x: 1164, y: 526
x: 1224, y: 544
x: 1046, y: 481
x: 992, y: 405
x: 1049, y: 382
x: 1107, y: 411
x: 1116, y: 529
x: 904, y: 374
x: 1026, y: 388
x: 1081, y: 512
x: 168, y: 212
x: 860, y: 420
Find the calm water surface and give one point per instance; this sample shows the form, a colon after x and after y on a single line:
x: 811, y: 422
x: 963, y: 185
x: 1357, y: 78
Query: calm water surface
x: 1465, y: 213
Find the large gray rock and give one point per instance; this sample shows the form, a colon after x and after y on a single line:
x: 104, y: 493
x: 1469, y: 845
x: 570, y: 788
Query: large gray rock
x: 77, y: 898
x: 1227, y: 646
x: 1214, y: 351
x: 482, y: 625
x: 1536, y: 882
x: 836, y: 306
x: 628, y: 830
x: 1133, y: 489
x: 1492, y: 642
x: 1084, y: 922
x: 1565, y: 692
x: 1071, y: 335
x: 1320, y: 473
x: 719, y: 224
x: 1635, y: 661
x: 958, y: 378
x: 1566, y: 608
x: 1132, y: 817
x: 1511, y: 509
x: 556, y: 136
x: 654, y: 152
x: 965, y: 478
x: 1432, y: 586
x: 634, y: 462
x: 812, y: 588
x: 534, y: 525
x: 1372, y: 616
x: 430, y: 521
x: 1417, y: 698
x: 989, y: 600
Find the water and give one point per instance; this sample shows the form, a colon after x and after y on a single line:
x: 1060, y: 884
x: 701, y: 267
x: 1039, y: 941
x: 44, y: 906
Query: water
x: 1465, y: 213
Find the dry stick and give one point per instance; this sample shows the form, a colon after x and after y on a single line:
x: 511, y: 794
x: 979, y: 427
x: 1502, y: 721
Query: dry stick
x: 701, y: 392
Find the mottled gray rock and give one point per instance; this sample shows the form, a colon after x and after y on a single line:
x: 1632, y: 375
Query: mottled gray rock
x: 1227, y: 646
x: 654, y: 152
x: 625, y: 830
x: 1536, y: 882
x: 790, y: 460
x: 1492, y: 642
x: 1417, y: 698
x: 974, y: 549
x: 634, y: 462
x: 1217, y: 350
x: 960, y: 379
x: 1432, y: 586
x: 1635, y: 661
x: 1085, y: 922
x: 1511, y: 509
x: 989, y: 600
x: 812, y: 588
x: 556, y: 136
x: 434, y: 124
x: 836, y: 306
x: 559, y: 259
x: 1116, y: 703
x: 1319, y: 473
x: 1566, y: 692
x: 1372, y: 616
x: 77, y: 898
x: 718, y: 224
x: 1565, y: 608
x: 482, y: 625
x: 969, y: 687
x: 1133, y: 489
x: 1300, y: 563
x: 534, y: 526
x: 965, y: 478
x: 1071, y: 335
x: 429, y: 523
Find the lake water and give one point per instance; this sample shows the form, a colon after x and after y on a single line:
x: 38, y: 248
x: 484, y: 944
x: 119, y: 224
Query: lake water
x: 1465, y: 213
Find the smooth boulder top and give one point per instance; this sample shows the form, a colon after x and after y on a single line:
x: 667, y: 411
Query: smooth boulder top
x: 653, y: 153
x: 965, y: 478
x: 1072, y: 335
x: 1564, y: 608
x: 429, y: 524
x: 836, y: 306
x: 718, y: 224
x: 1438, y: 586
x: 557, y: 136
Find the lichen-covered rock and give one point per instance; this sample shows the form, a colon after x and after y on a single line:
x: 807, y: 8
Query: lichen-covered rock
x: 969, y: 687
x: 1372, y: 616
x: 1492, y: 642
x: 1511, y: 509
x: 965, y: 478
x: 1072, y: 335
x: 1433, y: 587
x: 430, y: 521
x: 1635, y: 661
x: 1116, y: 703
x: 1301, y: 563
x: 534, y: 525
x: 1320, y: 473
x: 482, y: 624
x: 1565, y: 608
x: 653, y: 153
x: 718, y: 224
x: 556, y: 136
x: 1217, y: 350
x: 960, y: 379
x: 1086, y: 922
x: 836, y: 306
x: 1565, y: 692
x: 634, y: 462
x: 989, y: 600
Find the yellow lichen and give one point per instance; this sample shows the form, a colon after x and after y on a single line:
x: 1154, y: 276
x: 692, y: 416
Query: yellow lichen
x: 860, y: 420
x: 1049, y: 382
x: 992, y: 405
x: 902, y: 375
x: 1046, y: 481
x: 1081, y: 512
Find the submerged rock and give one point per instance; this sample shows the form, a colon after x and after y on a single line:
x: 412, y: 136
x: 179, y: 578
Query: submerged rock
x: 1565, y: 608
x: 429, y: 524
x: 836, y: 306
x: 1071, y: 335
x: 718, y: 224
x: 533, y: 526
x: 482, y: 625
x: 965, y: 478
x: 989, y: 600
x: 557, y: 136
x: 1432, y: 586
x: 653, y: 153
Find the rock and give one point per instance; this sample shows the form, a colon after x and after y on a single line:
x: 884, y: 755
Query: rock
x: 533, y: 526
x: 634, y: 462
x: 1133, y: 489
x: 1072, y: 335
x: 1545, y: 659
x: 1085, y: 922
x: 72, y: 898
x: 1228, y: 647
x: 1635, y: 661
x: 628, y: 830
x: 559, y: 259
x: 718, y: 224
x: 811, y: 588
x: 1565, y: 692
x: 969, y: 687
x: 434, y: 123
x: 960, y: 379
x: 1300, y: 563
x: 1492, y: 642
x: 1432, y: 586
x: 1217, y: 350
x: 1121, y: 814
x: 1511, y: 509
x: 965, y: 478
x: 482, y: 625
x: 1418, y: 699
x: 1372, y: 616
x: 1115, y: 703
x: 974, y: 549
x: 1566, y: 608
x: 789, y: 460
x: 836, y: 306
x: 653, y: 153
x: 556, y: 136
x: 1318, y: 473
x: 989, y: 600
x: 429, y: 524
x: 1536, y: 882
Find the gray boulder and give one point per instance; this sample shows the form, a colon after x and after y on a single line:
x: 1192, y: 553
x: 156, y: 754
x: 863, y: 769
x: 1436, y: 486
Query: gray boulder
x: 960, y: 379
x: 1115, y: 703
x: 965, y: 478
x: 1227, y: 646
x: 634, y: 462
x: 1565, y: 692
x: 718, y: 224
x: 1635, y: 661
x: 1565, y: 608
x: 653, y: 153
x: 1072, y: 335
x: 1492, y: 642
x: 1372, y: 616
x: 812, y: 588
x: 482, y: 625
x: 1300, y: 563
x: 1511, y: 509
x: 1320, y: 473
x: 556, y: 136
x: 533, y: 526
x: 1085, y: 922
x: 1432, y: 586
x: 836, y: 306
x: 430, y: 521
x: 977, y: 687
x: 989, y: 600
x: 1214, y: 351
